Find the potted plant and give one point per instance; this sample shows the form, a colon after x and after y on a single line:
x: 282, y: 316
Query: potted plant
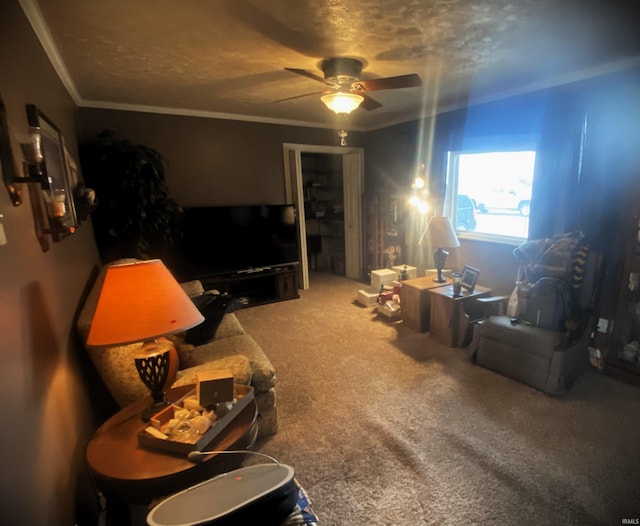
x: 134, y: 216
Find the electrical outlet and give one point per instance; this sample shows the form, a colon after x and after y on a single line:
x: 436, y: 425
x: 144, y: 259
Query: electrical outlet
x: 603, y: 325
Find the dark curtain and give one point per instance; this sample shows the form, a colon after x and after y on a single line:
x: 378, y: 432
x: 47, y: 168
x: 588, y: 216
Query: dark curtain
x: 556, y: 194
x: 588, y: 167
x: 587, y: 158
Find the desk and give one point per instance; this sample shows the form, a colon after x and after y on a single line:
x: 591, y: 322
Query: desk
x: 416, y: 300
x: 127, y: 473
x: 449, y: 321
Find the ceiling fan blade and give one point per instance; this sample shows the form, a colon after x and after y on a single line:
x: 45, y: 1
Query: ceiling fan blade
x: 401, y: 81
x: 368, y: 103
x: 300, y: 96
x: 308, y: 74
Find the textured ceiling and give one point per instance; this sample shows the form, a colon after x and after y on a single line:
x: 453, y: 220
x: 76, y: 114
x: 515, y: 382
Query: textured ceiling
x: 227, y: 57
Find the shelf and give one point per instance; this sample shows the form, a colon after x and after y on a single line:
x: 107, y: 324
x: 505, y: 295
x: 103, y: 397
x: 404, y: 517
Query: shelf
x: 627, y: 321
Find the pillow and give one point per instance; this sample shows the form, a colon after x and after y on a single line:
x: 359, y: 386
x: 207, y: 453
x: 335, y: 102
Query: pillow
x: 213, y: 307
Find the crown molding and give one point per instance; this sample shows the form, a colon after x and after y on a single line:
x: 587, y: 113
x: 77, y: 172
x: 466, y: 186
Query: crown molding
x: 185, y: 112
x: 41, y: 29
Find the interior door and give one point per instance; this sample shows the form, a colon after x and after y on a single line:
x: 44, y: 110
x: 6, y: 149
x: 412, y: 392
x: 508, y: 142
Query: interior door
x: 352, y: 184
x: 353, y: 188
x: 294, y: 194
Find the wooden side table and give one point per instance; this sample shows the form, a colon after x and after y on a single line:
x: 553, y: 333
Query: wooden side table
x: 449, y: 321
x: 416, y: 300
x: 128, y: 474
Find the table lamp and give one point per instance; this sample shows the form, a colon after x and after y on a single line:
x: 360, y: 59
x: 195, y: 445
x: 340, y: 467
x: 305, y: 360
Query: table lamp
x: 440, y: 234
x: 142, y: 302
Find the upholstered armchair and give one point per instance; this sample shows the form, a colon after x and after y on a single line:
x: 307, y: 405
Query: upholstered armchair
x: 545, y: 359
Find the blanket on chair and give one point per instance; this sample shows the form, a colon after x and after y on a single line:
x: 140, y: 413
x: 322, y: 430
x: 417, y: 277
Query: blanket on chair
x: 561, y: 256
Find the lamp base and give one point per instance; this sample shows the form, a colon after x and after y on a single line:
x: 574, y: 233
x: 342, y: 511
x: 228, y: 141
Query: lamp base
x: 153, y: 363
x: 439, y: 258
x: 154, y: 408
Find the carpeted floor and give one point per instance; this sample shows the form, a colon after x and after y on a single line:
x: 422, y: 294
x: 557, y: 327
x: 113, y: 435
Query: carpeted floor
x: 385, y: 426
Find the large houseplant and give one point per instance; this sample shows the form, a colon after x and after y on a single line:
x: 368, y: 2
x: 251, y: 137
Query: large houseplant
x: 135, y: 217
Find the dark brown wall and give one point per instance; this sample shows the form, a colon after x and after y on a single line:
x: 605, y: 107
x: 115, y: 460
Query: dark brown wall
x: 392, y: 156
x: 42, y: 385
x: 211, y: 161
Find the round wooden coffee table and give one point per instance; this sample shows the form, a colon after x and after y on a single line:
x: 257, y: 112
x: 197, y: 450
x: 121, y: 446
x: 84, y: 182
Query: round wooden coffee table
x: 127, y: 473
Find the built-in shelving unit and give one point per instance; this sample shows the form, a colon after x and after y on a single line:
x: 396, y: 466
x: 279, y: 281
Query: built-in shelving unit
x: 324, y: 211
x: 385, y: 231
x: 626, y: 329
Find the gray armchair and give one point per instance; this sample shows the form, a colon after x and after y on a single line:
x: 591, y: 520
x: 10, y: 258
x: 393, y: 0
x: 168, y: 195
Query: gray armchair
x: 544, y: 359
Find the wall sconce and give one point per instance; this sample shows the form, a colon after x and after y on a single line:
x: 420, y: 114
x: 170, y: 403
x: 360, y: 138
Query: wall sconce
x: 47, y: 170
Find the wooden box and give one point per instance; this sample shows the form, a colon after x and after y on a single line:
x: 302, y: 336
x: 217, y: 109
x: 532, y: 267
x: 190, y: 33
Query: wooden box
x: 244, y: 396
x: 213, y: 387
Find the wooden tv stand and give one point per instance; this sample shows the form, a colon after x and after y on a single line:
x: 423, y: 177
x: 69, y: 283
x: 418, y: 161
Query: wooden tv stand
x: 258, y: 286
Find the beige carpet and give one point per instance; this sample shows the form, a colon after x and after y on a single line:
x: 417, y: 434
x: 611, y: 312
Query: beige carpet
x: 385, y: 426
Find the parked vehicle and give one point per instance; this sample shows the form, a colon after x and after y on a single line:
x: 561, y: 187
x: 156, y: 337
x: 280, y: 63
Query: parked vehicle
x: 465, y: 213
x: 509, y: 201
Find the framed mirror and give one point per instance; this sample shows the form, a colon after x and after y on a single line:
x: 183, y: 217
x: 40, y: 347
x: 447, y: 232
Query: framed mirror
x: 47, y: 162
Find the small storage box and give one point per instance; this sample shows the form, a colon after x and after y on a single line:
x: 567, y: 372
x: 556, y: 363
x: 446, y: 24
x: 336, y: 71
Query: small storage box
x: 381, y: 277
x: 367, y: 297
x: 412, y: 272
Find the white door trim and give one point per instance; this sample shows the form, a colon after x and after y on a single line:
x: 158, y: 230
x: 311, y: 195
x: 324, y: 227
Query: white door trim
x: 292, y: 155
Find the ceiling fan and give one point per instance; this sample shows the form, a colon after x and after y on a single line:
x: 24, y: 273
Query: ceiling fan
x: 348, y: 91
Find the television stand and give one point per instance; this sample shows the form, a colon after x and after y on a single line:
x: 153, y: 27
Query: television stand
x: 257, y: 286
x: 253, y: 270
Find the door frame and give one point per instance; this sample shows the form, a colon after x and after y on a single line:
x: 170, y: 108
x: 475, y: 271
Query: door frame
x: 292, y: 156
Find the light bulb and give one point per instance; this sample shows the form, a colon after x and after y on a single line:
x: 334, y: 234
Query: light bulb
x: 342, y: 102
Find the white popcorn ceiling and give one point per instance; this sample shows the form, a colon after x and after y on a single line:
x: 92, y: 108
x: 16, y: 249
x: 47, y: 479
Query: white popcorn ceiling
x: 228, y: 56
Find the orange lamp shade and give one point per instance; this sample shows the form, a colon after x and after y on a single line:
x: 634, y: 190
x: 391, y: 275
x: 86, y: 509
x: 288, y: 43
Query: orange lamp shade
x: 140, y: 301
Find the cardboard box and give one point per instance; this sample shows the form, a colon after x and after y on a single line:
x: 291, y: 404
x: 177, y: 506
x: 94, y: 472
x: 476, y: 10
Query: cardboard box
x: 412, y: 272
x: 367, y: 297
x: 381, y: 277
x: 213, y: 387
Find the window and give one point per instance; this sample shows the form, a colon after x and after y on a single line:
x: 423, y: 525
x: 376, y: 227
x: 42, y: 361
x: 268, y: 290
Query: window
x: 489, y: 194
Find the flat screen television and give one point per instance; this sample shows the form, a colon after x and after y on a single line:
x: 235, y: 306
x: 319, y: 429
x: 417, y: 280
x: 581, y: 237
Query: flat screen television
x: 220, y: 240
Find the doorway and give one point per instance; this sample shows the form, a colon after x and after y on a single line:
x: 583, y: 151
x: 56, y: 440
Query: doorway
x: 352, y: 173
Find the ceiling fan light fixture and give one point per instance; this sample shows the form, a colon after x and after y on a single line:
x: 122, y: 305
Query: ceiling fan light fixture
x: 342, y: 102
